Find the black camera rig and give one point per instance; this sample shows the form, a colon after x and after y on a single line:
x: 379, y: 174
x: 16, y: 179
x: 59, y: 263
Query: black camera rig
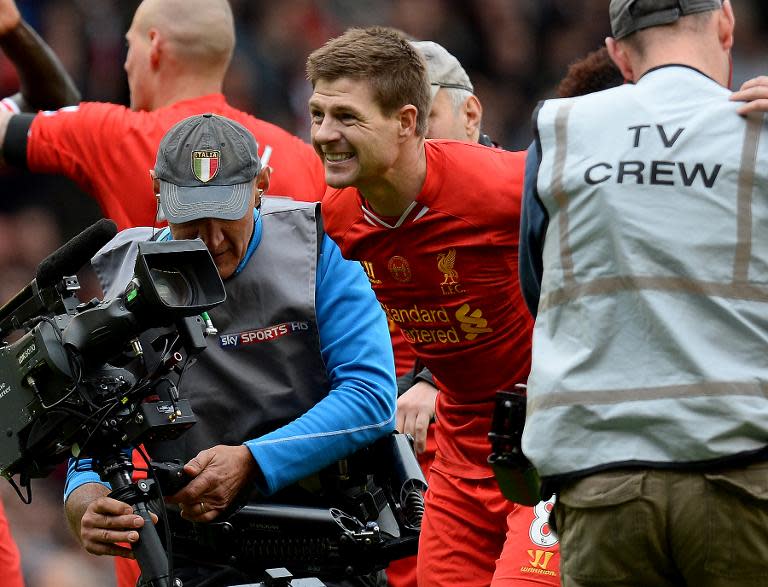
x: 90, y: 379
x: 363, y: 512
x: 93, y: 379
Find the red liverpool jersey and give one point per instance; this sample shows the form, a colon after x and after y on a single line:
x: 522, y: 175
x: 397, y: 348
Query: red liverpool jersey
x: 108, y: 150
x: 446, y: 273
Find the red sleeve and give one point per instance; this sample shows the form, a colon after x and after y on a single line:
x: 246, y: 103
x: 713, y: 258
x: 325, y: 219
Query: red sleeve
x: 71, y: 141
x: 297, y: 171
x: 491, y: 184
x: 339, y: 212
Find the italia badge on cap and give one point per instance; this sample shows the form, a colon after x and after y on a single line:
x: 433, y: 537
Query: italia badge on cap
x: 205, y: 164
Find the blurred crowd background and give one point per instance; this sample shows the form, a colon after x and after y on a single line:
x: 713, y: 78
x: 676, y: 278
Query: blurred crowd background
x: 515, y: 51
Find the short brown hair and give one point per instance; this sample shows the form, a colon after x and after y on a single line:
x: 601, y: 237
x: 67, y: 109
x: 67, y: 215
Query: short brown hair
x: 593, y: 73
x: 384, y: 58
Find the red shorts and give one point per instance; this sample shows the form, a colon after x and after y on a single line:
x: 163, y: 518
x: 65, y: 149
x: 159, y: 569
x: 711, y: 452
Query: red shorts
x: 127, y: 571
x: 472, y: 536
x: 10, y: 559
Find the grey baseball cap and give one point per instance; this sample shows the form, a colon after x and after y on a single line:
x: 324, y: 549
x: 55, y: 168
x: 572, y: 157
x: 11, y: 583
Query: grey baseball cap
x: 206, y: 165
x: 443, y: 69
x: 630, y: 16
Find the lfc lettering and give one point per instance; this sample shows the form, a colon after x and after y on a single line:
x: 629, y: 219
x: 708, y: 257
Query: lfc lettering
x: 445, y: 263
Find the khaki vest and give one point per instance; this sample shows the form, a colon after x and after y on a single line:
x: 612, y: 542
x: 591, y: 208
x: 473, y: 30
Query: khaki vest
x: 651, y: 340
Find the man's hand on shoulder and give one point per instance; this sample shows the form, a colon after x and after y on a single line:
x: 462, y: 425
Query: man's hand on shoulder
x: 415, y: 410
x: 755, y: 93
x: 9, y: 16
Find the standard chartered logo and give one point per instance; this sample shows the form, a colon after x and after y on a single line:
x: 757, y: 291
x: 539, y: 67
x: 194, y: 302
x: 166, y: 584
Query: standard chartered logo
x: 434, y: 325
x: 472, y: 322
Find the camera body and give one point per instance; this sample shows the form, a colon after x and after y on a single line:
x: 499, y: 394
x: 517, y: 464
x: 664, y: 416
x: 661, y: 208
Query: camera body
x: 88, y: 379
x: 517, y: 477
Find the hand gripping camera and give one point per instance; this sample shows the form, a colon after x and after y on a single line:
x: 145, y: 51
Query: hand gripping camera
x: 92, y: 379
x: 352, y: 518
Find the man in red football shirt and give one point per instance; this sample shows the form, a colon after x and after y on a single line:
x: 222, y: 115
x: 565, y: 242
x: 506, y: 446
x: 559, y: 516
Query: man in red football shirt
x: 178, y: 54
x: 435, y: 225
x: 46, y: 85
x: 455, y: 113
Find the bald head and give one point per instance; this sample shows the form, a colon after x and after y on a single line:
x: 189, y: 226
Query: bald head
x: 200, y: 33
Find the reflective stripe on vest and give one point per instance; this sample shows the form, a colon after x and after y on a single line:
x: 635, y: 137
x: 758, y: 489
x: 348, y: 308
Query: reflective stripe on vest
x: 651, y: 340
x: 738, y: 288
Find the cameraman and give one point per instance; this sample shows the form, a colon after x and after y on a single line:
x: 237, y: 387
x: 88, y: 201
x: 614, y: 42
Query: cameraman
x: 303, y: 374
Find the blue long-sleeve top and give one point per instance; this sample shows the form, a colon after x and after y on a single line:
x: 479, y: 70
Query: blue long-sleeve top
x: 534, y: 221
x: 356, y: 348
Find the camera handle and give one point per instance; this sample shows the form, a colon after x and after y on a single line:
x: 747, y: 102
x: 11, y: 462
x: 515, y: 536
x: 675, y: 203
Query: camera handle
x: 148, y: 550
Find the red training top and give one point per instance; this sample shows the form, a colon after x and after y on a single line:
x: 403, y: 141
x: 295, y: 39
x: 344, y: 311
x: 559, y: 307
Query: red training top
x: 446, y: 273
x: 109, y: 149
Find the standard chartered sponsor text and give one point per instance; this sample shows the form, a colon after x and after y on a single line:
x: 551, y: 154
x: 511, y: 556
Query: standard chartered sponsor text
x: 429, y: 325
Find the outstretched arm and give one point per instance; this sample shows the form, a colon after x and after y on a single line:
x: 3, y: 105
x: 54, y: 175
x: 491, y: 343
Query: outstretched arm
x: 357, y: 351
x: 45, y: 83
x: 359, y: 409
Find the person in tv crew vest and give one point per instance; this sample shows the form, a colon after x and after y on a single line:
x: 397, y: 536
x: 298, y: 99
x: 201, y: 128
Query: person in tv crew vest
x: 642, y: 258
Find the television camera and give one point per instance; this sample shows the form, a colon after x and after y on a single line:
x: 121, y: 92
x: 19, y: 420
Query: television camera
x: 90, y: 379
x: 517, y: 477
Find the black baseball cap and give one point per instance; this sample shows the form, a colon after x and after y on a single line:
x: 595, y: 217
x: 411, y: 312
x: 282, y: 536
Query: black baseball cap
x: 206, y: 165
x: 630, y: 16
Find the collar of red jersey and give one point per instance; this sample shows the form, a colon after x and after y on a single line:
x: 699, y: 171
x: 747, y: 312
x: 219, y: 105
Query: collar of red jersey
x: 411, y: 214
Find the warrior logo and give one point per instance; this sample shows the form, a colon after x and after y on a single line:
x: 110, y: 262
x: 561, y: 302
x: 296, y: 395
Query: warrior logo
x: 400, y: 269
x: 205, y: 164
x: 539, y: 562
x: 445, y: 263
x: 368, y: 268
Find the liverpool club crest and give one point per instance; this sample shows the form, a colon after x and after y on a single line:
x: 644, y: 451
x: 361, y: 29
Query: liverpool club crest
x: 399, y: 268
x: 205, y: 164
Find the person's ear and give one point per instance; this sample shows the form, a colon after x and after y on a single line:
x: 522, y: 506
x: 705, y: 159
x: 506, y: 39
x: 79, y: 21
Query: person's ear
x: 618, y: 54
x: 725, y: 26
x: 155, y: 184
x: 473, y: 116
x: 155, y: 47
x: 262, y: 180
x: 406, y: 118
